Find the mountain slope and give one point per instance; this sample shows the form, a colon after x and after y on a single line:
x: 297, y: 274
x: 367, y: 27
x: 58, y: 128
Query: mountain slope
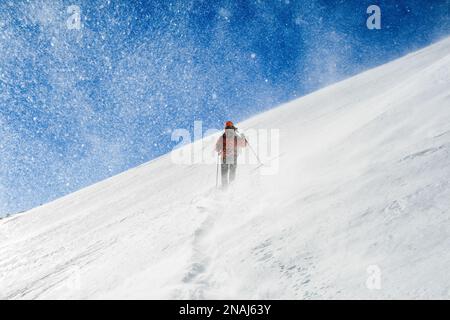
x: 362, y: 187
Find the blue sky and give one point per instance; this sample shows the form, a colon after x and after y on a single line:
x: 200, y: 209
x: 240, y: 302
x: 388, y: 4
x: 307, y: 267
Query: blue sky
x: 77, y: 106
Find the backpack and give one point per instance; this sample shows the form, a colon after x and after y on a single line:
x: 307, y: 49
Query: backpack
x: 224, y: 143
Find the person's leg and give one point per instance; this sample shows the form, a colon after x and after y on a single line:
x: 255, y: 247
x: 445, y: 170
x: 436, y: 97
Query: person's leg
x: 224, y: 170
x: 233, y: 168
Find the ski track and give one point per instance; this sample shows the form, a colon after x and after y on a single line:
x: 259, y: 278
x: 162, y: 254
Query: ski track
x: 204, y: 247
x: 196, y: 277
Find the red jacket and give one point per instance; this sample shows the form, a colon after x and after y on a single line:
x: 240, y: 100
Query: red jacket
x: 229, y: 143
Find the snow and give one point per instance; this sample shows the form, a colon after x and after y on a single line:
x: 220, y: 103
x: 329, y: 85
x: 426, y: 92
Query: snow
x: 359, y: 208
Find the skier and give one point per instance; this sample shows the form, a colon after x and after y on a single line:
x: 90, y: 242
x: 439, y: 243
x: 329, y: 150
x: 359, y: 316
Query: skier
x: 228, y: 146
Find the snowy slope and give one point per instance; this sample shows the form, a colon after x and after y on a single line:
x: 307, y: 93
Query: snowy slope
x: 363, y: 185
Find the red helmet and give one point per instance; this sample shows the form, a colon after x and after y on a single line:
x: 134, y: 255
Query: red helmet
x: 229, y: 124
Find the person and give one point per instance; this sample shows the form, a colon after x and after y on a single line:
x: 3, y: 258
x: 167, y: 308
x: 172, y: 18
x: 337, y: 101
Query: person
x: 228, y: 146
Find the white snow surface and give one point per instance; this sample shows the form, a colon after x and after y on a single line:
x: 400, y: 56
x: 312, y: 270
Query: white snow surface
x: 359, y: 209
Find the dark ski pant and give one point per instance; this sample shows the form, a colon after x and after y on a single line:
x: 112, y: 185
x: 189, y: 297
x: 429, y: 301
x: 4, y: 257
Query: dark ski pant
x: 228, y: 173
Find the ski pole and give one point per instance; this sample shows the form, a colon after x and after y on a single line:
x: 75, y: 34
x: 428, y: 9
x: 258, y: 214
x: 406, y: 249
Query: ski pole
x: 253, y: 150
